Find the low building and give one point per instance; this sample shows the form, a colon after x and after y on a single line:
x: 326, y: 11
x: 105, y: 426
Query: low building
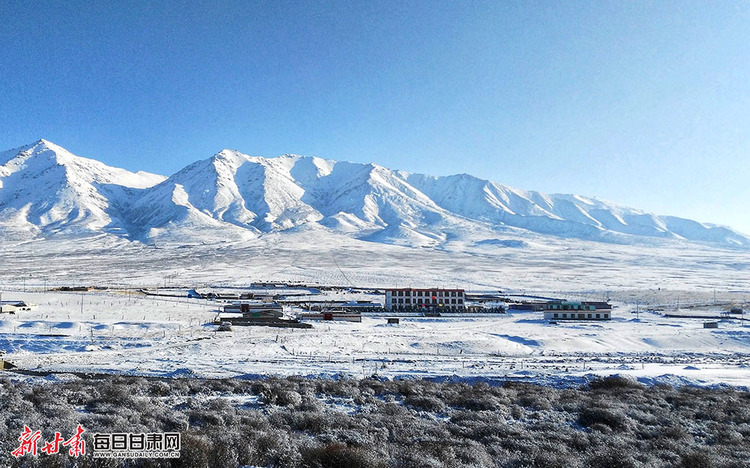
x: 411, y: 299
x: 255, y: 309
x: 333, y: 315
x: 526, y: 306
x: 570, y: 310
x: 11, y: 307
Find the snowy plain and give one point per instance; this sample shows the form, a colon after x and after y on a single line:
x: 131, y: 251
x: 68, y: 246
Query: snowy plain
x: 121, y: 331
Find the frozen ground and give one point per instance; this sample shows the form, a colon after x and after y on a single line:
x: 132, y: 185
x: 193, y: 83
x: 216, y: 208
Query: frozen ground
x: 544, y: 263
x: 119, y: 332
x: 127, y: 333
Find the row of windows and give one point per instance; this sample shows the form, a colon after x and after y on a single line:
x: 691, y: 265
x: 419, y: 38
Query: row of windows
x: 571, y: 307
x: 427, y: 301
x: 416, y: 308
x: 426, y: 293
x: 580, y: 316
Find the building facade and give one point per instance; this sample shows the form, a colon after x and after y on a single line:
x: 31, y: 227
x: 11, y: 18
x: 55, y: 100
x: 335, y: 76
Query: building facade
x: 568, y: 310
x: 415, y: 300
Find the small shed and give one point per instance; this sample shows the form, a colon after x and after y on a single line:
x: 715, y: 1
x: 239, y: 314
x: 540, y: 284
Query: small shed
x: 5, y: 365
x: 11, y: 307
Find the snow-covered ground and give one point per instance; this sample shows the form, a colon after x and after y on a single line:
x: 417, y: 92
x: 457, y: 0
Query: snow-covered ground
x: 545, y: 263
x: 118, y: 332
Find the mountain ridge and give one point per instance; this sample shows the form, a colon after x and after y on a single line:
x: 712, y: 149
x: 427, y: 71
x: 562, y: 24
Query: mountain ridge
x: 46, y: 191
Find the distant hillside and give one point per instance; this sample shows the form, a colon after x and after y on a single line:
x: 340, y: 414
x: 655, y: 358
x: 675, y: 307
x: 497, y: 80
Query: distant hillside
x: 45, y: 191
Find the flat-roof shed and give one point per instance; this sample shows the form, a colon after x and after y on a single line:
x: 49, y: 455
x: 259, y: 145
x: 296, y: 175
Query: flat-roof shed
x: 8, y: 308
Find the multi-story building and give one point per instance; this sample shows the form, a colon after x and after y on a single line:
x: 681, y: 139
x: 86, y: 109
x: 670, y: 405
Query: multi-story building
x: 568, y: 310
x: 411, y: 299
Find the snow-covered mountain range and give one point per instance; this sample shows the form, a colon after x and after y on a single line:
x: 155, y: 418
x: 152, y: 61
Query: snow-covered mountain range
x: 45, y: 191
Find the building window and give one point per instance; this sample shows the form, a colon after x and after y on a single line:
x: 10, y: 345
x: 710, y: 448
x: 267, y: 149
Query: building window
x: 598, y: 315
x: 555, y: 315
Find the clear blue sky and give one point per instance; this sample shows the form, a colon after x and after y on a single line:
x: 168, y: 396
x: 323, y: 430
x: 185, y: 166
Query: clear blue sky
x: 643, y: 103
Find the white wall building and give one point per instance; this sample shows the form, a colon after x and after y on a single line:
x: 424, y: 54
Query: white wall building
x: 411, y: 299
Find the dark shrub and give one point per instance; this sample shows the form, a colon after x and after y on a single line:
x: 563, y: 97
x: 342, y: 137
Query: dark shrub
x: 425, y: 403
x: 612, y: 457
x: 614, y: 382
x: 196, y: 451
x: 696, y: 460
x: 337, y: 455
x: 614, y: 419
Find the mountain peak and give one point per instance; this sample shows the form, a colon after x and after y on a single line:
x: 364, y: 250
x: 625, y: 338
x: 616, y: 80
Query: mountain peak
x: 42, y: 144
x: 46, y: 189
x: 52, y: 190
x: 40, y: 151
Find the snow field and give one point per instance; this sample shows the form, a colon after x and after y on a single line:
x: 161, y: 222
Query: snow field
x: 125, y: 333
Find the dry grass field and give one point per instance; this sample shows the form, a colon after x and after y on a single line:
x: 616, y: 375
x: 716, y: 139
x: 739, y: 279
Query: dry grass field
x: 297, y: 422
